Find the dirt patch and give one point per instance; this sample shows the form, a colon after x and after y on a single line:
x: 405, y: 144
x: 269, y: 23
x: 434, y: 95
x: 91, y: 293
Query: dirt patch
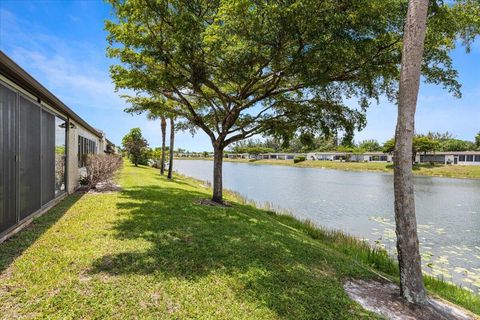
x: 384, y: 298
x: 208, y: 202
x: 104, y: 188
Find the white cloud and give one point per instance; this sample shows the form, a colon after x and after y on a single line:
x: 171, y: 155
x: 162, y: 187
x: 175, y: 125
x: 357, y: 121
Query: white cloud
x: 71, y: 67
x: 81, y: 84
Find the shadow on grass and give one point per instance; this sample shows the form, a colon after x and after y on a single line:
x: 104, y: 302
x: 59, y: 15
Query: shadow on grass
x: 274, y: 263
x: 18, y: 243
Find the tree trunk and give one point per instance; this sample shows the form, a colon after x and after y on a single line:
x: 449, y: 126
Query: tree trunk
x: 172, y: 141
x: 411, y: 280
x: 217, y: 175
x: 164, y: 133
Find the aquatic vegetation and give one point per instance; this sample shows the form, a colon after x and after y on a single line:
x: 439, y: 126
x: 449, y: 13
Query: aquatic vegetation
x: 458, y: 264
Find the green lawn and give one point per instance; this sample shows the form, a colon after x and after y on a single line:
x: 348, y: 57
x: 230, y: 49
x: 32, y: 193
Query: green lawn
x: 151, y: 251
x: 450, y: 171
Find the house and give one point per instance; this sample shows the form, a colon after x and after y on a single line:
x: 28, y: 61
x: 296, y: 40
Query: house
x: 281, y: 156
x: 452, y: 157
x: 374, y: 157
x: 237, y: 155
x: 43, y: 147
x: 326, y: 156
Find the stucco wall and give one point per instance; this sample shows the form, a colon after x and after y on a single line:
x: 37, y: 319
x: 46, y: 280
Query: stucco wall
x: 72, y: 166
x: 73, y: 171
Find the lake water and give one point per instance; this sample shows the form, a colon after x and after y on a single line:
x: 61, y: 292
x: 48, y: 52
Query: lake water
x: 361, y: 203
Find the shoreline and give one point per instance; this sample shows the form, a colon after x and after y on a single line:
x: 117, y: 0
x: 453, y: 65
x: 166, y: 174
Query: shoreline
x: 154, y: 239
x: 440, y: 171
x: 379, y: 260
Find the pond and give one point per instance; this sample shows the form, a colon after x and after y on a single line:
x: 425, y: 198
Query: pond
x: 361, y: 204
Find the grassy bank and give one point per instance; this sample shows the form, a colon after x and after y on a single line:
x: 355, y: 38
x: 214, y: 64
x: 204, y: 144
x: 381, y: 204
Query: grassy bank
x: 151, y: 251
x: 450, y: 171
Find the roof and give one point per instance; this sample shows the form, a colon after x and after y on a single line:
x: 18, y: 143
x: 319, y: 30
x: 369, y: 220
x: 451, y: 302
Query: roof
x: 446, y: 153
x: 16, y: 74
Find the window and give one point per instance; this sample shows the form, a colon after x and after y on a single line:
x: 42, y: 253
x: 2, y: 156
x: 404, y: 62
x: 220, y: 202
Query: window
x: 477, y: 158
x: 60, y: 154
x: 85, y: 147
x: 378, y: 158
x: 470, y: 158
x: 461, y: 158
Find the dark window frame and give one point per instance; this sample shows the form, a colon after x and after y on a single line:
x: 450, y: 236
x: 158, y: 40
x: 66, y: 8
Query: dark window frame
x: 85, y: 147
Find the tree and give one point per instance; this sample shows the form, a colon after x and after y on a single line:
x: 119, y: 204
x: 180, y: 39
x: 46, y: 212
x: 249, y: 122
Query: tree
x: 170, y: 148
x: 477, y: 140
x: 411, y: 279
x: 163, y: 125
x: 440, y: 136
x: 424, y: 144
x: 154, y: 115
x: 456, y: 145
x: 135, y: 146
x: 371, y: 145
x: 236, y: 69
x: 389, y: 146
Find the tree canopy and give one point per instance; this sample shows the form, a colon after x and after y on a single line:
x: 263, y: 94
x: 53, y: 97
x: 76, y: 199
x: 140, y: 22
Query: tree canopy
x: 424, y: 144
x: 136, y: 146
x: 370, y: 145
x: 236, y: 69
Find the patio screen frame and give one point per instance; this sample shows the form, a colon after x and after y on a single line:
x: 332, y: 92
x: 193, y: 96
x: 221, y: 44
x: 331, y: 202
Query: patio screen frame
x: 12, y: 190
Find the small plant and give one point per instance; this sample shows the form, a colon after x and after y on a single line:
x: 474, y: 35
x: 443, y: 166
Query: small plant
x: 299, y: 159
x: 101, y: 168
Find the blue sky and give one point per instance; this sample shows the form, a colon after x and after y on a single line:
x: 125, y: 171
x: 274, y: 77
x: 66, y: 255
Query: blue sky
x: 62, y: 44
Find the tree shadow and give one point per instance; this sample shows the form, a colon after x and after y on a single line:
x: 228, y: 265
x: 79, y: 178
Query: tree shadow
x: 18, y: 243
x: 191, y: 241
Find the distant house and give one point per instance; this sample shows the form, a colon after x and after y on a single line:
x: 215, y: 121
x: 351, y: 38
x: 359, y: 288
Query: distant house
x: 454, y: 157
x: 43, y: 146
x: 451, y: 157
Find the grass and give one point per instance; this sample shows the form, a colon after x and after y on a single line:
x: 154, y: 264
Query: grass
x: 151, y: 251
x: 437, y: 170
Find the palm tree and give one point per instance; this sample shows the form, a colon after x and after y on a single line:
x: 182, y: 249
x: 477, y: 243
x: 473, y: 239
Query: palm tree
x: 172, y: 138
x: 164, y: 133
x: 163, y: 124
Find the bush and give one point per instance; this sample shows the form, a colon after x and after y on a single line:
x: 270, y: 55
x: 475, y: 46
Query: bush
x: 101, y: 168
x: 299, y: 159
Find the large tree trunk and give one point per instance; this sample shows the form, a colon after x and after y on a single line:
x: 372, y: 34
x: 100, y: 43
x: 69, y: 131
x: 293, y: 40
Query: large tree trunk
x: 164, y: 133
x: 411, y: 280
x: 217, y: 175
x: 172, y: 142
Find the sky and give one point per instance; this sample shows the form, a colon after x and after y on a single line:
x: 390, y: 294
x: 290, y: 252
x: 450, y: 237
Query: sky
x: 62, y: 44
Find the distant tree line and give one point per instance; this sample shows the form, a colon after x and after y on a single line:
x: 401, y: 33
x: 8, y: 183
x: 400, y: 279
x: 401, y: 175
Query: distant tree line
x: 422, y: 143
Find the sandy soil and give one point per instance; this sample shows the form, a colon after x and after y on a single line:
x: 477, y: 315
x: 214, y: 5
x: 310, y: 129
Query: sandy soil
x: 384, y: 298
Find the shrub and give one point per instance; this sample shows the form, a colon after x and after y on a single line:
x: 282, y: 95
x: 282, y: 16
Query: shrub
x: 299, y: 159
x: 101, y: 168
